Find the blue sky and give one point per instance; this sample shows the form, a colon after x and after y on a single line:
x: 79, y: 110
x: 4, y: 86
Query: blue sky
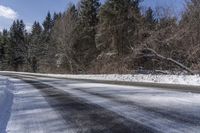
x: 31, y: 10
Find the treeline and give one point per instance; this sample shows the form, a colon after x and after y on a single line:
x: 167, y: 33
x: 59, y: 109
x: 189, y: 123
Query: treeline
x: 116, y: 37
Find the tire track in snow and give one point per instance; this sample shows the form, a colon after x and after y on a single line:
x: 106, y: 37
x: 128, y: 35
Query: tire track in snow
x: 172, y: 115
x: 89, y: 118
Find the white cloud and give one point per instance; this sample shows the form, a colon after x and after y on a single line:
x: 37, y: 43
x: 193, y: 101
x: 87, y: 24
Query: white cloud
x: 7, y: 12
x: 28, y: 27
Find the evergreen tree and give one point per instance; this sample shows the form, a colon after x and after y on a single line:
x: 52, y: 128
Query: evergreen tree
x: 35, y: 46
x: 56, y: 16
x: 150, y: 16
x: 118, y: 21
x: 4, y: 40
x: 4, y: 47
x: 87, y: 30
x: 18, y: 45
x: 1, y: 48
x: 48, y: 23
x: 36, y: 29
x: 46, y: 41
x: 150, y: 19
x: 88, y: 12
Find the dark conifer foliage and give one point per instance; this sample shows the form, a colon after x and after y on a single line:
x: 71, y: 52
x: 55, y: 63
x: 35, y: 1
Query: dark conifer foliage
x: 88, y: 12
x: 48, y: 23
x: 35, y: 47
x: 18, y: 45
x: 86, y: 31
x: 4, y: 42
x: 150, y: 18
x: 119, y: 18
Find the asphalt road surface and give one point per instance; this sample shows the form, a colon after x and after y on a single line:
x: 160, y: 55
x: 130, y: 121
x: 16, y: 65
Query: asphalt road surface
x: 50, y: 105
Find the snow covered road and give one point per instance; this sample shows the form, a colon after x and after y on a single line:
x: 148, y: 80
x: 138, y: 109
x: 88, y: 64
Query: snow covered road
x: 50, y: 105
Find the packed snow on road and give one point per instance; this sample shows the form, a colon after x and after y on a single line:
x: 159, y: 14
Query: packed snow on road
x: 36, y: 104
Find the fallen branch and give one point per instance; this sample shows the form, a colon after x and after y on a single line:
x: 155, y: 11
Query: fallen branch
x: 170, y: 60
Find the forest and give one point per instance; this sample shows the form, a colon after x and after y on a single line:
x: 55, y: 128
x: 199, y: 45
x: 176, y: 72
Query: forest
x: 117, y: 36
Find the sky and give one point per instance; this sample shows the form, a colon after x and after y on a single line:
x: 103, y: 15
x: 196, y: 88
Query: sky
x: 36, y: 10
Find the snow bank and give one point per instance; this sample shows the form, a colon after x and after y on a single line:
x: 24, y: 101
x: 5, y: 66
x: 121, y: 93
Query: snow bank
x: 2, y: 97
x: 165, y: 79
x: 3, y: 92
x: 6, y: 98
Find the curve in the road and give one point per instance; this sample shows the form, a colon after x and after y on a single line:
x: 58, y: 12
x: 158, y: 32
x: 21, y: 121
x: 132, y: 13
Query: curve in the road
x: 87, y: 117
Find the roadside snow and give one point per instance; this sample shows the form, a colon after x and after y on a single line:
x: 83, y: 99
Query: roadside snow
x: 6, y: 98
x: 32, y: 113
x: 2, y: 97
x: 168, y: 79
x: 148, y: 78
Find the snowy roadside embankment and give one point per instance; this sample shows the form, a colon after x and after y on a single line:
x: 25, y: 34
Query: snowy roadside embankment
x: 6, y: 98
x: 193, y: 80
x: 165, y: 79
x: 3, y: 93
x: 2, y: 97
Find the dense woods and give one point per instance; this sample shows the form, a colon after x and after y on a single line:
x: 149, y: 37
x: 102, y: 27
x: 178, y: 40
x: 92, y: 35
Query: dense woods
x: 115, y: 37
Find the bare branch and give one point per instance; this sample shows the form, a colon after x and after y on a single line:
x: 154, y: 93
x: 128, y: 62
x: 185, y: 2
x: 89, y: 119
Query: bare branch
x: 170, y: 60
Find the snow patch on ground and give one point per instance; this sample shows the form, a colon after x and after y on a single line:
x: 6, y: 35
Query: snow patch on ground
x: 168, y: 79
x: 165, y: 79
x: 6, y: 98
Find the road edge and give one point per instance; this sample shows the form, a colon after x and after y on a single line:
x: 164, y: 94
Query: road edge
x: 175, y: 87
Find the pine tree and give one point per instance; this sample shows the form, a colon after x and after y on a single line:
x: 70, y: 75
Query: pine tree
x: 150, y: 16
x: 4, y: 41
x: 56, y: 16
x: 48, y: 23
x: 150, y: 19
x: 88, y: 12
x: 88, y: 21
x: 1, y: 48
x: 36, y: 29
x: 46, y: 44
x: 118, y: 21
x: 35, y: 48
x: 18, y: 45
